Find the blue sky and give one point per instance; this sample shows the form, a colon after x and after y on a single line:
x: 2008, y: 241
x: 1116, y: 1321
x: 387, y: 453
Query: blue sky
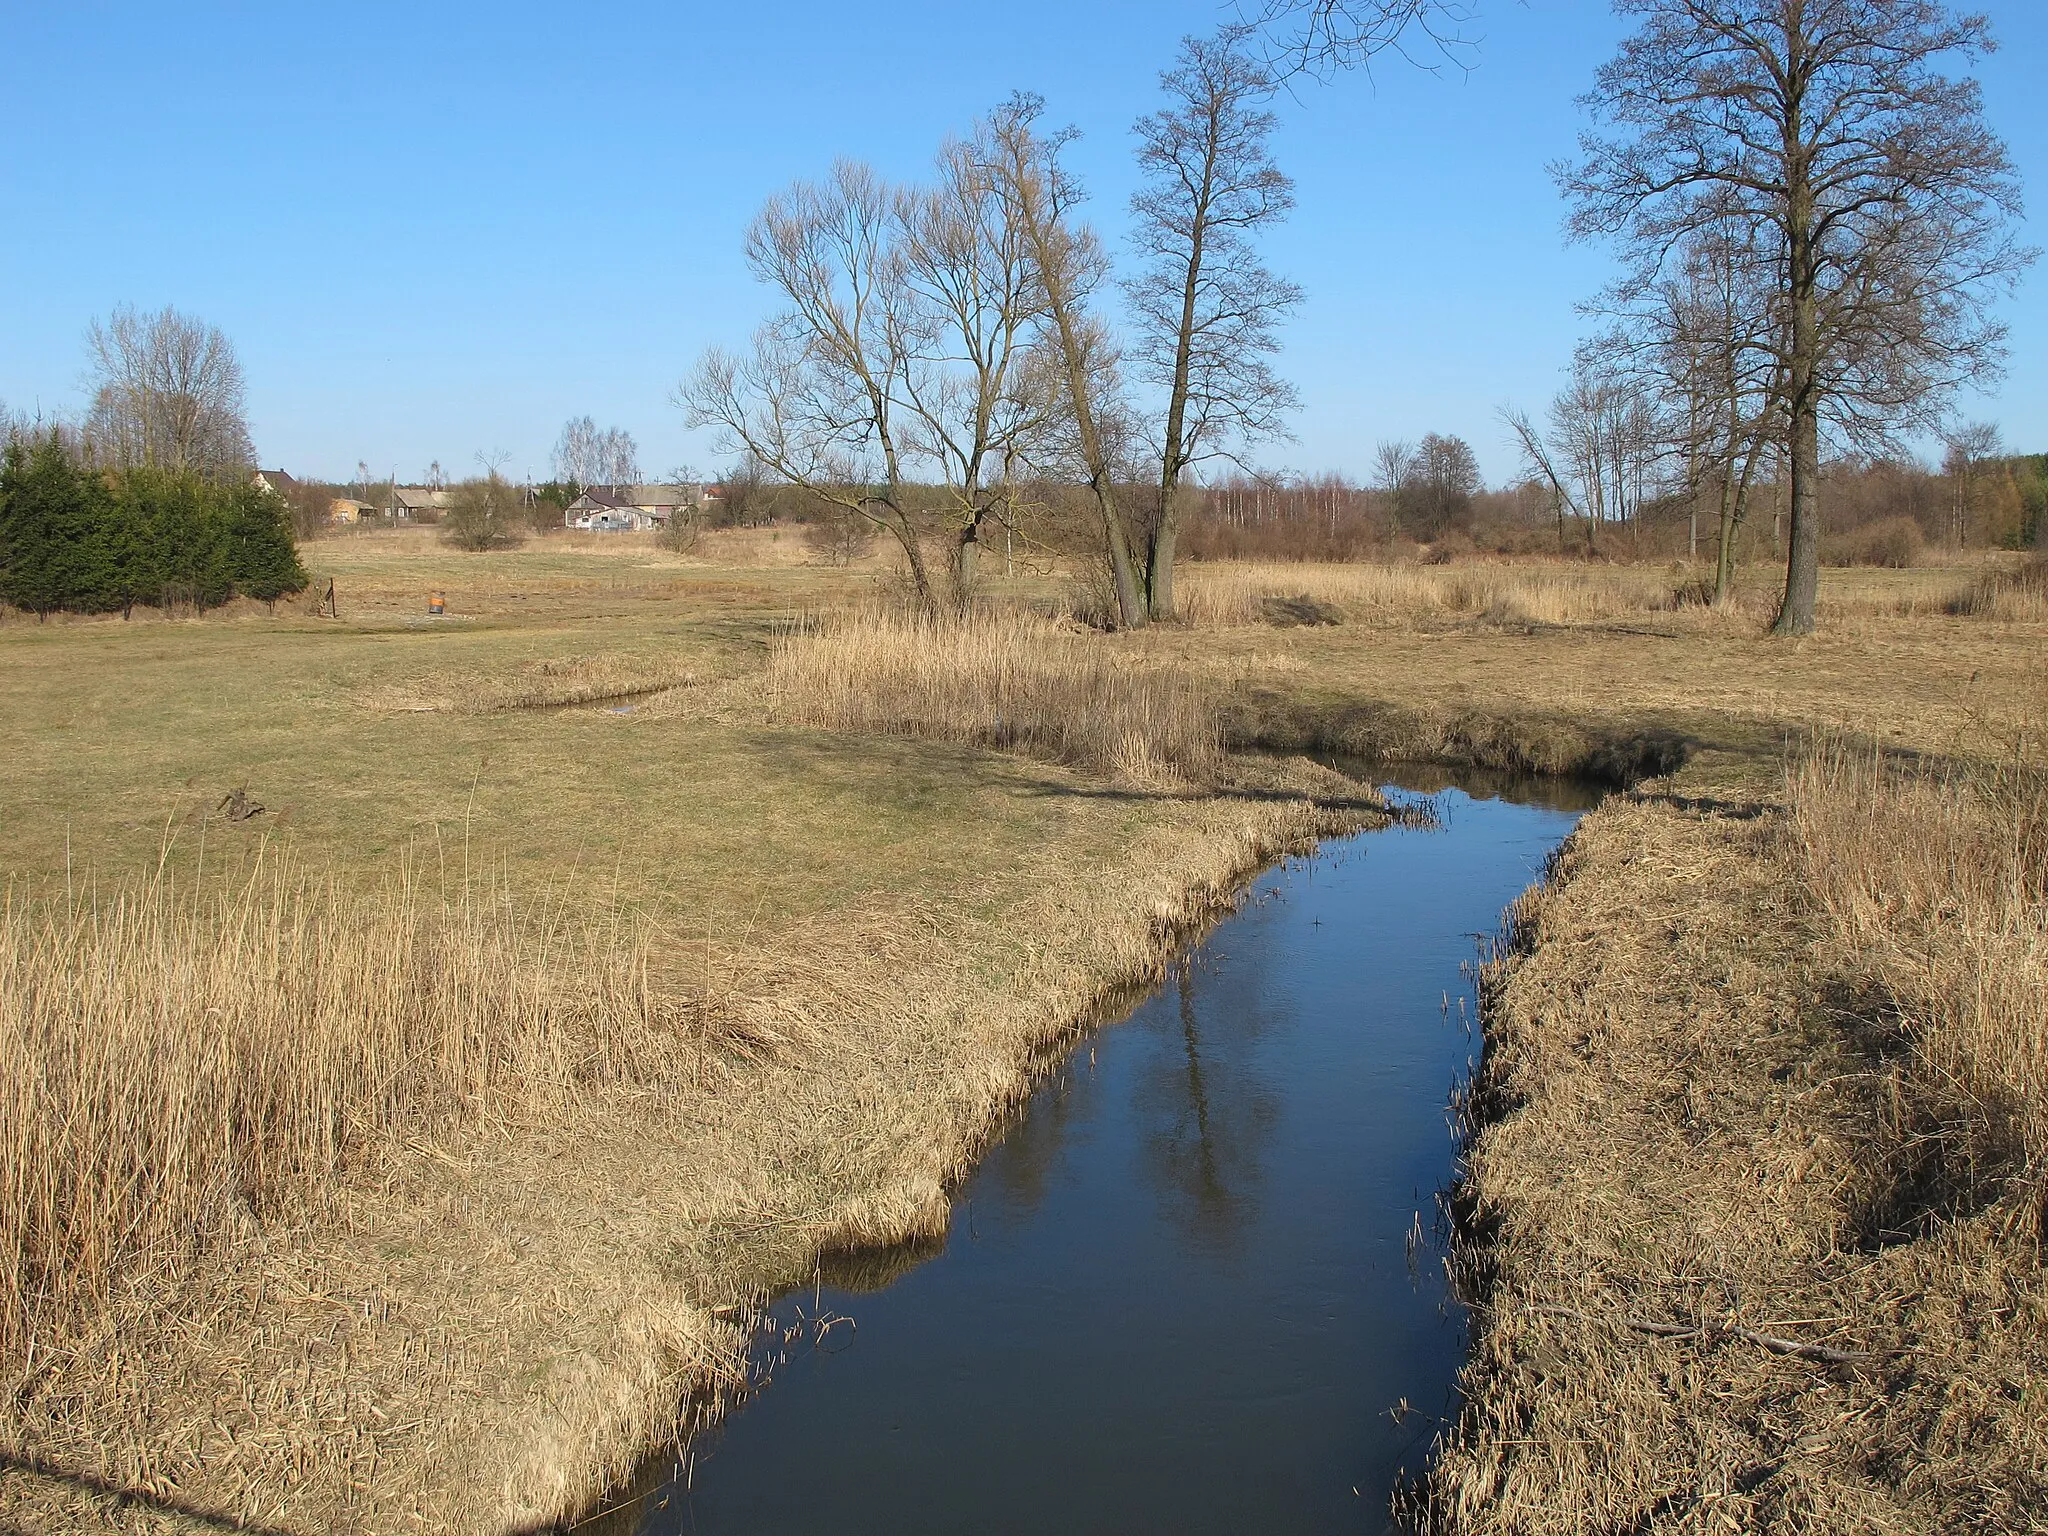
x: 435, y: 231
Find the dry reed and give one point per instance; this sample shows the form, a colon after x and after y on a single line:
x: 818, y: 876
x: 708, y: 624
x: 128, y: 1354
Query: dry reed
x: 1937, y: 885
x: 1005, y: 680
x: 180, y: 1066
x: 2014, y: 594
x: 1551, y: 593
x: 1222, y: 596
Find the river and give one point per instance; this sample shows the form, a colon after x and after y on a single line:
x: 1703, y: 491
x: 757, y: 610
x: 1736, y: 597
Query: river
x: 1198, y: 1285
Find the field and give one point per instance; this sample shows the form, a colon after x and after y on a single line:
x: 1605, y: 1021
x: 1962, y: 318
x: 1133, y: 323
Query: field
x: 810, y: 910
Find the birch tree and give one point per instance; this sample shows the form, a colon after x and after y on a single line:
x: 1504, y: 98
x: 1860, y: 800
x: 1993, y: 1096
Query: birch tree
x: 168, y: 394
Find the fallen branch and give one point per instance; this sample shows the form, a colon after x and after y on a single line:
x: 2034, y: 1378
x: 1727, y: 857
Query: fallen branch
x: 1711, y: 1331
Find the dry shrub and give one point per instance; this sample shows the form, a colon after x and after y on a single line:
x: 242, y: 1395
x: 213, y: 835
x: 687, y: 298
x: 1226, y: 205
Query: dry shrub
x: 1223, y: 596
x: 998, y: 679
x: 2014, y: 594
x: 1936, y: 884
x: 1894, y: 542
x: 176, y: 1066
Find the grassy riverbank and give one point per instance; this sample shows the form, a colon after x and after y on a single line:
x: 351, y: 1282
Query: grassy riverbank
x: 1756, y: 1201
x: 844, y: 900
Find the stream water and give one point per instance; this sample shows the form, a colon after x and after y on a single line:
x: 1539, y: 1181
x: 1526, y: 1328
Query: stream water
x: 1198, y: 1285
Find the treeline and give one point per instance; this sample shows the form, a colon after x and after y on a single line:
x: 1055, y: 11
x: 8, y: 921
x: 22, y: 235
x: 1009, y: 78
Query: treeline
x: 1871, y: 512
x: 79, y: 539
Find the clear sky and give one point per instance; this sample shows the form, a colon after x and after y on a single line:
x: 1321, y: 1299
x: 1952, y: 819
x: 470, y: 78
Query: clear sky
x: 435, y: 231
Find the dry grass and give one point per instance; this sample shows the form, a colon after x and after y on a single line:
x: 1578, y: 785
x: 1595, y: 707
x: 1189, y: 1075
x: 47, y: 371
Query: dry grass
x: 1525, y: 594
x: 1002, y: 679
x: 1936, y: 885
x: 547, y: 682
x: 1691, y: 1142
x: 1222, y: 596
x: 500, y: 1316
x: 177, y: 1066
x: 2012, y: 594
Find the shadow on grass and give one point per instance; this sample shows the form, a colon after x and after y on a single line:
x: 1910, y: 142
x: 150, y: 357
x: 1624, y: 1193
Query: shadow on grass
x: 99, y: 1488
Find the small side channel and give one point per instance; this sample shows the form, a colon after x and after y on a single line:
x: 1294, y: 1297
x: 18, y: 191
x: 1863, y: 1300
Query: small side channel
x: 1198, y: 1286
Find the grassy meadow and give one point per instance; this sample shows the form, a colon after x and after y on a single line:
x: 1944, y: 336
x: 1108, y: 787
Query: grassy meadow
x: 609, y: 946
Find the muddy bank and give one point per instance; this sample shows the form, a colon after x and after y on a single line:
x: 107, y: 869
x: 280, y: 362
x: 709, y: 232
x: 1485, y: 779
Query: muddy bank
x: 1531, y: 742
x: 1730, y: 1268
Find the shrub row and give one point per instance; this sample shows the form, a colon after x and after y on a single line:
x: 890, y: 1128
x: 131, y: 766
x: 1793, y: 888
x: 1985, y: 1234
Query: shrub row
x: 82, y: 540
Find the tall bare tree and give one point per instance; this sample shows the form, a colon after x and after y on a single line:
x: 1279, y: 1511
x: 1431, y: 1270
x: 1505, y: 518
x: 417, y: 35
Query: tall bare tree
x: 586, y: 454
x: 168, y: 393
x: 816, y: 400
x: 1715, y: 334
x: 1967, y: 447
x: 1443, y: 477
x: 1206, y: 308
x: 1043, y: 197
x: 973, y: 399
x: 1828, y: 127
x: 1599, y: 453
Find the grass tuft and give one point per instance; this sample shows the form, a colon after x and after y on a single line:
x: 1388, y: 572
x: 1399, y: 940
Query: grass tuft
x: 1011, y: 681
x: 2013, y: 594
x: 179, y: 1066
x: 1937, y: 883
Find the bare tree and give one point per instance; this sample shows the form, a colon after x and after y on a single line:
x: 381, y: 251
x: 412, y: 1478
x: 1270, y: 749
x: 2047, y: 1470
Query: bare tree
x: 1442, y: 479
x: 1205, y: 306
x: 816, y: 399
x: 587, y: 455
x: 1042, y: 197
x: 485, y: 514
x: 168, y: 393
x: 1709, y: 336
x: 1825, y: 126
x: 1968, y: 446
x: 574, y: 460
x: 1545, y: 467
x: 1322, y: 37
x: 973, y: 399
x: 1598, y: 455
x: 742, y: 490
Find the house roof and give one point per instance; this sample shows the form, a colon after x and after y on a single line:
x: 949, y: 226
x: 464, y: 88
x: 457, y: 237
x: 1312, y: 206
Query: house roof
x: 421, y: 498
x: 276, y: 479
x: 641, y: 496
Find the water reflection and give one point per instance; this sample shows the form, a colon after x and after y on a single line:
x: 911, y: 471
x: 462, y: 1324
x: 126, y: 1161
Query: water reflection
x: 1208, y: 1121
x: 1178, y: 1295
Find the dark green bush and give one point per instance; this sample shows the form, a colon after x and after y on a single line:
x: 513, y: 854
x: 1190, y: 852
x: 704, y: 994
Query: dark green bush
x: 76, y: 539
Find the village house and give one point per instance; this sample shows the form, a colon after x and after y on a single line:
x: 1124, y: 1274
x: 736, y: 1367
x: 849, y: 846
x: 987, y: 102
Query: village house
x: 346, y: 512
x: 275, y: 481
x: 629, y: 508
x: 418, y: 504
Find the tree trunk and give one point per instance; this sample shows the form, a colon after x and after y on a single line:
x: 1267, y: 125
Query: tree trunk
x: 1724, y: 554
x: 1129, y: 601
x: 913, y: 552
x: 1802, y: 561
x: 1802, y: 558
x: 1159, y: 561
x: 1802, y: 404
x: 967, y: 564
